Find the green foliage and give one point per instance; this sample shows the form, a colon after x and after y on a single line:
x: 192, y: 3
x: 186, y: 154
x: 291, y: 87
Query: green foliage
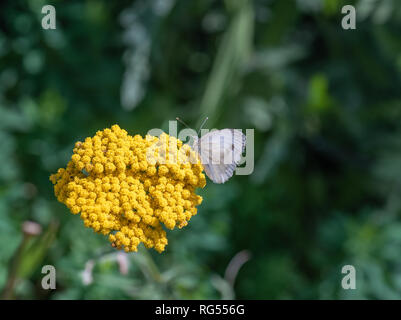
x: 325, y: 104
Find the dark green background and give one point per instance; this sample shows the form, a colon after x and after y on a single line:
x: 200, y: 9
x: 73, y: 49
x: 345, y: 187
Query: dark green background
x: 325, y: 105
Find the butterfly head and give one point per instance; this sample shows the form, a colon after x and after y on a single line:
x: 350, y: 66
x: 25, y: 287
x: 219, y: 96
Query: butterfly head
x: 195, y: 138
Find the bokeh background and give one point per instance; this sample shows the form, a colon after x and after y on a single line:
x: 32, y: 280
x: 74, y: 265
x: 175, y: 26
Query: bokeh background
x: 325, y: 105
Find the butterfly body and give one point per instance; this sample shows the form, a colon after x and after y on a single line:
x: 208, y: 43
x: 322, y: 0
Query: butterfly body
x: 220, y: 152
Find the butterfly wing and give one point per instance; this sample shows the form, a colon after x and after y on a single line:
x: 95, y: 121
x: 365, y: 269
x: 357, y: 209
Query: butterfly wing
x: 220, y: 152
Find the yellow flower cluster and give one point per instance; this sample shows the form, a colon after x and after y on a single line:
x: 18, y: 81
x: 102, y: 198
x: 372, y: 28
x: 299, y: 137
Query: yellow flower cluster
x: 127, y: 187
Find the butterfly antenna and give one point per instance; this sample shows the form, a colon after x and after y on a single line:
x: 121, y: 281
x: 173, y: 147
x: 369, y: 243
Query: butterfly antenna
x: 179, y: 120
x: 203, y: 123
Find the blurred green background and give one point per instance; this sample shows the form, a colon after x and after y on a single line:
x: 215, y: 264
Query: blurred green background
x: 325, y: 105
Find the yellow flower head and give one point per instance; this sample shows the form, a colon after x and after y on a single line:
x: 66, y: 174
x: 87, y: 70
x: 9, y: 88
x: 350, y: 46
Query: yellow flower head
x: 127, y: 187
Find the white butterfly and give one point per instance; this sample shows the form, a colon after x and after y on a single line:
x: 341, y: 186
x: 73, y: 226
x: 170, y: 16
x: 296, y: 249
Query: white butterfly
x: 219, y: 151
